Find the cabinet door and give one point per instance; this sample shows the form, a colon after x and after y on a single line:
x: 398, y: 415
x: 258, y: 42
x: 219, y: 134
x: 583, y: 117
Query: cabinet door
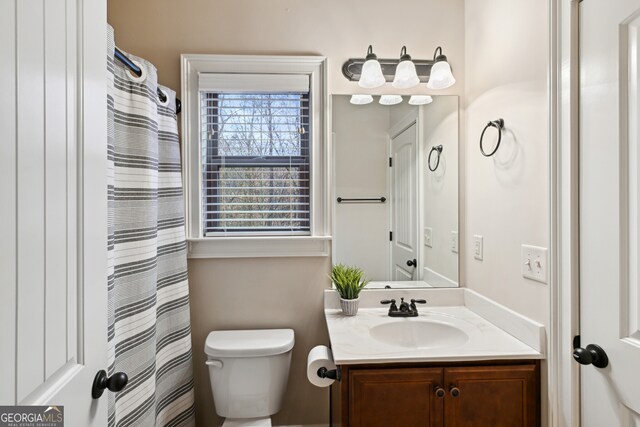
x: 395, y: 397
x: 496, y: 396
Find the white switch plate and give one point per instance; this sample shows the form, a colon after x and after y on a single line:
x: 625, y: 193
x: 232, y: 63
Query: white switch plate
x: 477, y: 247
x: 534, y: 263
x: 454, y: 242
x: 428, y: 232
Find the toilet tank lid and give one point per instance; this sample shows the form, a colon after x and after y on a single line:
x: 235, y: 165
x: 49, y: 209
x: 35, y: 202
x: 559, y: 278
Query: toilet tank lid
x: 249, y: 343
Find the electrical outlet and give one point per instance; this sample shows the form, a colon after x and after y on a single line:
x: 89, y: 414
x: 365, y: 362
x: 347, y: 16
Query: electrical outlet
x: 428, y: 232
x: 534, y: 263
x: 454, y: 242
x: 477, y: 247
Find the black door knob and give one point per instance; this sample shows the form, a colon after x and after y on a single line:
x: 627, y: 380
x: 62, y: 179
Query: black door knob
x: 412, y: 263
x: 592, y: 355
x: 116, y: 382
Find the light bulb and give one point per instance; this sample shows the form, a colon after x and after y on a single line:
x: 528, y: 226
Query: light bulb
x: 361, y: 99
x: 420, y: 100
x: 371, y: 75
x: 390, y: 99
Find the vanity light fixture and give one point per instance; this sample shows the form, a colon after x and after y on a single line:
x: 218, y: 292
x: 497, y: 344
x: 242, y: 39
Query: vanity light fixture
x: 441, y: 76
x: 406, y: 76
x: 390, y: 99
x: 372, y: 72
x: 371, y: 76
x: 420, y: 100
x: 361, y: 99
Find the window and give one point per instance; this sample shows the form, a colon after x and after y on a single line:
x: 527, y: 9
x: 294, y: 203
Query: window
x: 255, y: 163
x: 255, y: 156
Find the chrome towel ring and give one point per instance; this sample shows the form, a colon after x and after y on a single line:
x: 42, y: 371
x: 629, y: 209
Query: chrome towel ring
x: 498, y: 124
x: 438, y: 150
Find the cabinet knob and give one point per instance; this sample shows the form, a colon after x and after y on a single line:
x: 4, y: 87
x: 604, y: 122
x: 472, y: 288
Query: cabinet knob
x: 440, y: 392
x: 455, y: 391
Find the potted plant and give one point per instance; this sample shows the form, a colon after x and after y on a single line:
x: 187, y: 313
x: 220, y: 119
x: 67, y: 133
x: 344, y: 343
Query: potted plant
x: 349, y: 281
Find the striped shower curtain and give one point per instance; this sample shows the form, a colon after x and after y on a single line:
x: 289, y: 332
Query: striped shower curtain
x: 149, y: 331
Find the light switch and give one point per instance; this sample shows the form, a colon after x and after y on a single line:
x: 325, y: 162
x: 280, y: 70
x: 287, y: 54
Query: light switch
x: 428, y: 232
x: 477, y: 247
x: 534, y: 263
x: 454, y: 242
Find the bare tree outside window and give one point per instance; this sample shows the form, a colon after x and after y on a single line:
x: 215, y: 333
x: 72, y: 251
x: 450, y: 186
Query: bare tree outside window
x: 255, y: 162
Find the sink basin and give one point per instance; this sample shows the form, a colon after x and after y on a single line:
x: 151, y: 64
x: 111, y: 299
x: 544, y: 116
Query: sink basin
x: 412, y: 333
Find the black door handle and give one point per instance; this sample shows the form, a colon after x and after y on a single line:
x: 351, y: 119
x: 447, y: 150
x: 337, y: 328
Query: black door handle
x: 116, y: 382
x: 412, y: 263
x: 592, y: 355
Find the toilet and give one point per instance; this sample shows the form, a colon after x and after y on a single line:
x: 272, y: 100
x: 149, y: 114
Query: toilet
x: 249, y: 370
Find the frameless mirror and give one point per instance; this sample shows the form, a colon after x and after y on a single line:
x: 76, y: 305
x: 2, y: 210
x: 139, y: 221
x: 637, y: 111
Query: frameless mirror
x: 395, y: 175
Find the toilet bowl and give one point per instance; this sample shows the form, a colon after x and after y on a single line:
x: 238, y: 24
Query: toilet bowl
x: 249, y: 370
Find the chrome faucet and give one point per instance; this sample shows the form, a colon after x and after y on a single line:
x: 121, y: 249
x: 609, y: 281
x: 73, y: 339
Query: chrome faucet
x: 405, y: 309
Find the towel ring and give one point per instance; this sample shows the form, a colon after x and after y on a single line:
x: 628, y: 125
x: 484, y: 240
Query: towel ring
x: 498, y: 124
x: 438, y: 150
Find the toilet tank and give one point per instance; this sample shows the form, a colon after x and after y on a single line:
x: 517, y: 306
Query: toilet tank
x: 249, y: 370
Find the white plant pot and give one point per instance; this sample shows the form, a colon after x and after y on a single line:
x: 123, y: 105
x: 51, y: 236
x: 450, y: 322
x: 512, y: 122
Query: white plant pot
x: 349, y: 306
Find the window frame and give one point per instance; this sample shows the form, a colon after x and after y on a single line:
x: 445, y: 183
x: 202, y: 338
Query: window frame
x: 317, y: 243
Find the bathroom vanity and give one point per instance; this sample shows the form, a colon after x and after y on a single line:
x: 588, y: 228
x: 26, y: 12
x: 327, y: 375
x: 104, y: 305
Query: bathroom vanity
x: 489, y: 393
x: 463, y: 361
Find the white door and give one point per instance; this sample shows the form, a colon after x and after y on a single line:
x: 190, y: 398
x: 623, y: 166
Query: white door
x: 53, y: 222
x: 609, y: 214
x: 404, y: 200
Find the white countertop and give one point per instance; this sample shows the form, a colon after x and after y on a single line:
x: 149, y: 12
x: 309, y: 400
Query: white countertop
x: 352, y: 342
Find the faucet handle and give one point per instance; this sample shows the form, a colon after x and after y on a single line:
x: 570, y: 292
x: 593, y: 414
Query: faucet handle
x: 418, y: 301
x: 393, y: 307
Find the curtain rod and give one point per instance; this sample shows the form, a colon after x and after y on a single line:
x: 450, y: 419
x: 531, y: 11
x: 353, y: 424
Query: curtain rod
x: 138, y: 72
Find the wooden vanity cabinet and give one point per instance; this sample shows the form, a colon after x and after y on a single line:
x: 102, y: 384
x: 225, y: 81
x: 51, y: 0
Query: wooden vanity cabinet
x: 500, y: 394
x: 390, y: 397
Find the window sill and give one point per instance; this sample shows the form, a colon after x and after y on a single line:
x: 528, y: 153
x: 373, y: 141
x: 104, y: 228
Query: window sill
x: 259, y: 247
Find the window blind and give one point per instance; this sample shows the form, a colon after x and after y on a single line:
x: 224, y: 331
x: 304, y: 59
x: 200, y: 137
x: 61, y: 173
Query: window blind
x: 255, y: 157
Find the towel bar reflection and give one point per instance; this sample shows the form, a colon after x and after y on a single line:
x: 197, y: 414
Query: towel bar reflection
x: 362, y: 200
x: 499, y: 125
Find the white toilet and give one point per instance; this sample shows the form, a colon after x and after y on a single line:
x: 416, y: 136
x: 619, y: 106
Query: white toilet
x: 249, y: 371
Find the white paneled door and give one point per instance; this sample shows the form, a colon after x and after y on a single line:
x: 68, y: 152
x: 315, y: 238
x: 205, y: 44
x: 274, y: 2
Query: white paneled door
x: 53, y: 205
x: 609, y: 212
x: 404, y: 196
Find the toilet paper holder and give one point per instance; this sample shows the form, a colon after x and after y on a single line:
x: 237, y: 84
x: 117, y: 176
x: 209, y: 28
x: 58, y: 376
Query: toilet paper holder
x: 333, y: 374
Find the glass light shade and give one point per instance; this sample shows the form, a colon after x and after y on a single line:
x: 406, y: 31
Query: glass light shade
x: 420, y: 100
x: 390, y: 99
x: 406, y: 76
x: 371, y: 76
x: 361, y: 99
x: 441, y: 76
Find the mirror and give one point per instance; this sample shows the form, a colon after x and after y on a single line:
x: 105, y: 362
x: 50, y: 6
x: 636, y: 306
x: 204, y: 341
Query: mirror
x: 395, y: 175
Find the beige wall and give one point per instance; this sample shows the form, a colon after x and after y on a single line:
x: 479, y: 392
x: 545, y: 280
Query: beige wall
x: 507, y: 196
x: 160, y: 30
x: 261, y: 293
